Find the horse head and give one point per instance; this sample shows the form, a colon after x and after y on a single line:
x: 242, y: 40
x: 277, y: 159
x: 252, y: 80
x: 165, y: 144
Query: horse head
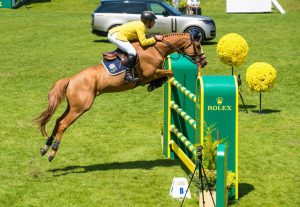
x: 187, y: 44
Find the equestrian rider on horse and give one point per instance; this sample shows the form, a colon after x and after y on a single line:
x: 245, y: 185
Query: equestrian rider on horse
x: 131, y: 31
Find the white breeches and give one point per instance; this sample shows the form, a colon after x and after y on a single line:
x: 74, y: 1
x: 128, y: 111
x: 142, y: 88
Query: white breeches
x: 123, y: 45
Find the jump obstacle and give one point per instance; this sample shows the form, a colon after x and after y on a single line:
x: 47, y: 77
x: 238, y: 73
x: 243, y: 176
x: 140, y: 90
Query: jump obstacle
x: 189, y: 102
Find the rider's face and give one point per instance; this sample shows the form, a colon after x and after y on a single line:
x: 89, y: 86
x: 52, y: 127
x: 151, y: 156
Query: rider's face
x: 150, y: 24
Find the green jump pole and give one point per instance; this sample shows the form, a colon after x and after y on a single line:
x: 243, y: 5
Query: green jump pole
x: 184, y: 115
x: 184, y: 140
x: 222, y: 193
x: 183, y: 89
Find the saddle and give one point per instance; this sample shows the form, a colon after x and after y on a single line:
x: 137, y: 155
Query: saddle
x: 116, y: 62
x: 112, y: 55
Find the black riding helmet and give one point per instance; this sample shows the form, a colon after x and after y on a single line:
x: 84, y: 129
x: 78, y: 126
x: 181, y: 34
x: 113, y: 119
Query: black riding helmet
x: 148, y: 15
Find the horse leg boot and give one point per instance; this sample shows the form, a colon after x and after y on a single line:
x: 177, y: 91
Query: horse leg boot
x: 54, y: 150
x: 129, y: 76
x: 56, y: 143
x: 48, y: 143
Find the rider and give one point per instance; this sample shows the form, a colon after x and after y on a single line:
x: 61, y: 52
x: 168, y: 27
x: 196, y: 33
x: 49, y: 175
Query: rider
x: 135, y: 30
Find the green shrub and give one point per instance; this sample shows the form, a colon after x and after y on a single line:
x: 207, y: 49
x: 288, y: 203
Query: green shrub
x: 209, y: 178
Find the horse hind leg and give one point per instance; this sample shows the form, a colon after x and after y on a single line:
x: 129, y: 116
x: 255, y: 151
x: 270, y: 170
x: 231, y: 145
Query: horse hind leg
x: 50, y: 139
x: 63, y: 124
x: 79, y: 103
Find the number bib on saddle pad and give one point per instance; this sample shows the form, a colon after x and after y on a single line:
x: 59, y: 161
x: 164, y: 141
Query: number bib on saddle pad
x: 114, y: 67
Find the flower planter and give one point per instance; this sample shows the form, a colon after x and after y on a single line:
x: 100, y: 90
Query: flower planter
x: 207, y: 199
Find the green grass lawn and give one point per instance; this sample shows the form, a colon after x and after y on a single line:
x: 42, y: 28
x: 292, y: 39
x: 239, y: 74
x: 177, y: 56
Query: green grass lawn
x: 112, y: 155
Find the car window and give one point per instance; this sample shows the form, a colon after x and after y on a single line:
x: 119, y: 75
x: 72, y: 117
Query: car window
x: 158, y: 8
x: 122, y: 7
x: 171, y: 10
x: 110, y: 7
x: 134, y: 8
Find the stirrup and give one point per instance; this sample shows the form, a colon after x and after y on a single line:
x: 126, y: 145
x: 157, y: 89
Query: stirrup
x: 129, y: 78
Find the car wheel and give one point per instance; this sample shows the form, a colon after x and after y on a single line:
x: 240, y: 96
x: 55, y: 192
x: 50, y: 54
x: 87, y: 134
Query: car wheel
x: 188, y: 30
x: 116, y: 25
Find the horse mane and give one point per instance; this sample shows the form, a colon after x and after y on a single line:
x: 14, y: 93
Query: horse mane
x: 166, y: 35
x: 174, y: 34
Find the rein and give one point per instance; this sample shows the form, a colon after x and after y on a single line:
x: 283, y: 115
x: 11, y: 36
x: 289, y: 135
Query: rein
x: 179, y: 51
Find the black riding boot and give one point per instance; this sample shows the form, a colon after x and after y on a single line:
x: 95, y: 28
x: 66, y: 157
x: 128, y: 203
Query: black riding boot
x: 129, y: 76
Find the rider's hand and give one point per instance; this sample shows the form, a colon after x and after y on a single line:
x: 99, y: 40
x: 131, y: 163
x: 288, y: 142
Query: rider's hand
x: 158, y: 37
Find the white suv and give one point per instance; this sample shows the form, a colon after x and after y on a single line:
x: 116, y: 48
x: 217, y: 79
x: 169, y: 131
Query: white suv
x: 112, y: 13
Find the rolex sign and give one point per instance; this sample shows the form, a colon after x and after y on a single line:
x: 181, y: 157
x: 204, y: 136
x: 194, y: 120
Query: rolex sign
x: 219, y: 102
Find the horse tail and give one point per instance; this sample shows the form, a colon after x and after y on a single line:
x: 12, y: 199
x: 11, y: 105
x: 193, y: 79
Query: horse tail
x: 55, y: 97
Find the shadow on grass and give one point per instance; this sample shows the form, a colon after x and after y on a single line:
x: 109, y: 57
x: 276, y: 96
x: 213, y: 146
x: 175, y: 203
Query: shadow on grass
x: 244, y: 107
x: 27, y: 3
x: 241, y: 106
x: 36, y: 1
x: 143, y: 164
x: 264, y: 111
x: 244, y: 189
x: 267, y: 111
x: 102, y: 41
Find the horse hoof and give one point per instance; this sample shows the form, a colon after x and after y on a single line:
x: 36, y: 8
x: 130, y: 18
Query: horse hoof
x: 43, y: 151
x: 50, y: 158
x: 150, y: 87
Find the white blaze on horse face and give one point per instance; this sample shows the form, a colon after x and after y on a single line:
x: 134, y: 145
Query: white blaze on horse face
x: 198, y: 48
x: 190, y: 51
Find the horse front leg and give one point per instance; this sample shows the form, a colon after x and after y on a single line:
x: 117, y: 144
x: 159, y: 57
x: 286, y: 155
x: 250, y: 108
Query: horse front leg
x: 160, y: 77
x: 159, y: 73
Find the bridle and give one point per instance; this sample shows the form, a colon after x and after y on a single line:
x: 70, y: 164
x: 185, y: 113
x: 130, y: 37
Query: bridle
x: 197, y: 57
x: 181, y: 52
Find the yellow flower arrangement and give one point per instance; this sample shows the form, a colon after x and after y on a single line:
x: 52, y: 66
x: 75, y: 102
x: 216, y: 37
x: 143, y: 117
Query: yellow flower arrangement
x: 232, y: 49
x: 260, y: 76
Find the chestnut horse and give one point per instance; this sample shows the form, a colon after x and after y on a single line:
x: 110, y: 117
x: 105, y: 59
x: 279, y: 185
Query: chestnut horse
x: 81, y: 89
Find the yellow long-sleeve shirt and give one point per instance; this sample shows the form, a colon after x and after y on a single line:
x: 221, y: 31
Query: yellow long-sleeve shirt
x: 135, y: 30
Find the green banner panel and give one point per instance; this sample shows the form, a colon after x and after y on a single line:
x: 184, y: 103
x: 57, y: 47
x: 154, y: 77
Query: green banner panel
x: 6, y: 4
x: 219, y: 101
